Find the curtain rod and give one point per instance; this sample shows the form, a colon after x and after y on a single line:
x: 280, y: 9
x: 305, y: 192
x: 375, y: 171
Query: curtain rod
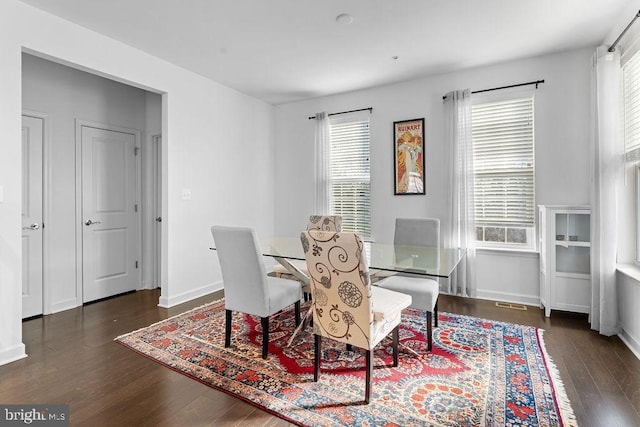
x: 537, y: 82
x: 612, y: 48
x: 345, y: 112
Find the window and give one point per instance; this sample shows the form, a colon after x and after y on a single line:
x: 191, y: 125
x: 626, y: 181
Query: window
x: 631, y: 127
x: 350, y: 184
x: 631, y: 106
x: 503, y: 162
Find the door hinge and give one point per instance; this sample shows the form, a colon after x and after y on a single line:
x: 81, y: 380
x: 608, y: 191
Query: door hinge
x: 135, y: 207
x: 136, y: 150
x: 136, y: 264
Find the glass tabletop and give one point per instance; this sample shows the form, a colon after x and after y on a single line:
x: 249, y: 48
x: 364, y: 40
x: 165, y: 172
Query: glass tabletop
x: 428, y: 261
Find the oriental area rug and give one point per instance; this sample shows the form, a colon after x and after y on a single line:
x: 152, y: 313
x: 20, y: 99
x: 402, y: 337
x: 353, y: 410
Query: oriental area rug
x: 480, y: 372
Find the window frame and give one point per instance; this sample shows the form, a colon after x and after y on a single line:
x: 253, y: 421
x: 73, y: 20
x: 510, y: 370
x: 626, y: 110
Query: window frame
x: 363, y: 228
x: 636, y: 167
x: 530, y: 230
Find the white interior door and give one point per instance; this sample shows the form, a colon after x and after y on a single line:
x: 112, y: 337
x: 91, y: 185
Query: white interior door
x: 109, y: 225
x: 32, y: 155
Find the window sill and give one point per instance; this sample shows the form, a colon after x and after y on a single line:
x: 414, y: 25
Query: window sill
x: 630, y: 270
x: 517, y: 251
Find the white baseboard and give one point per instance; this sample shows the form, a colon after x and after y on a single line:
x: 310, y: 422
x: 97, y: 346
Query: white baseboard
x: 631, y: 342
x: 173, y: 300
x: 12, y: 354
x: 533, y: 300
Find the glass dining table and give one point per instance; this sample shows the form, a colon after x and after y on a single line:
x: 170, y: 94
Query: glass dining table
x: 420, y: 260
x: 417, y: 260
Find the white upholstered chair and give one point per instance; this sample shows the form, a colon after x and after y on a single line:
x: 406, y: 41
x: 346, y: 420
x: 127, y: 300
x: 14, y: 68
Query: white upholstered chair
x: 346, y: 308
x: 424, y: 291
x: 247, y: 288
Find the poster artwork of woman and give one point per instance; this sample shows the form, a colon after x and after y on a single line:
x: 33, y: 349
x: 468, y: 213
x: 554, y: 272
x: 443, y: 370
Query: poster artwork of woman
x: 410, y: 163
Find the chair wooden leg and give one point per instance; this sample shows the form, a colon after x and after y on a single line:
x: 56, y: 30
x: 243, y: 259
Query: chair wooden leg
x: 435, y: 313
x: 429, y: 331
x: 316, y: 358
x: 396, y: 340
x: 227, y: 328
x: 369, y: 369
x: 265, y: 336
x: 297, y: 311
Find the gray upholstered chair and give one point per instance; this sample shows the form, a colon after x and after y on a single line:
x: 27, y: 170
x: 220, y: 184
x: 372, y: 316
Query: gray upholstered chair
x: 424, y: 291
x: 316, y: 222
x: 346, y: 308
x: 247, y: 288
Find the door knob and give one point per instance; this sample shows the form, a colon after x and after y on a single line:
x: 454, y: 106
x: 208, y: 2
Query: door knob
x: 90, y: 222
x: 34, y: 226
x: 159, y: 219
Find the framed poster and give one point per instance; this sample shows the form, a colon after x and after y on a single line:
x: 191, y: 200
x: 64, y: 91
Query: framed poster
x: 408, y: 137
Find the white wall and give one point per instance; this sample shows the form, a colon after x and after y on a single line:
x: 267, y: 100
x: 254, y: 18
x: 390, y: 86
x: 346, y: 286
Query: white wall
x: 64, y: 95
x: 562, y: 153
x: 508, y: 276
x: 628, y: 297
x: 216, y: 142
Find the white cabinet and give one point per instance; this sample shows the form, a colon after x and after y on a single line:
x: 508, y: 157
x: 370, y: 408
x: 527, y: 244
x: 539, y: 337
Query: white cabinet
x: 565, y: 258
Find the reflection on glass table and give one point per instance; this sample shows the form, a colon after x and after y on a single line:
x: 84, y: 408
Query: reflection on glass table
x: 428, y: 261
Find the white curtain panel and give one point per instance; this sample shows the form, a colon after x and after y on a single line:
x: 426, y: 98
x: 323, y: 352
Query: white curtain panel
x: 607, y: 168
x: 459, y: 224
x: 321, y: 168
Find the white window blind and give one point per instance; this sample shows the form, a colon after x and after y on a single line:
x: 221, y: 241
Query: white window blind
x: 504, y: 163
x: 631, y: 106
x: 350, y: 183
x: 631, y: 128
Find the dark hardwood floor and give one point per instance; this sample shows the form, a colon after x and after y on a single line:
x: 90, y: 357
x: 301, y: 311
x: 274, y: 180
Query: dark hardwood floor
x: 73, y: 359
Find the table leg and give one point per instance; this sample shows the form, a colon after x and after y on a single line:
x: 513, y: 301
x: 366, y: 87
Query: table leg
x: 301, y: 326
x: 408, y: 350
x: 298, y: 274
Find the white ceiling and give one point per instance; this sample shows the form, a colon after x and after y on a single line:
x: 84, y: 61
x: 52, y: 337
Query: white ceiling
x: 288, y: 50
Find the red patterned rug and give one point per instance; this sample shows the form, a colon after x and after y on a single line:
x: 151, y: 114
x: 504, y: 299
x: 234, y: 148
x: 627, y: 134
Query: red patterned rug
x: 480, y: 372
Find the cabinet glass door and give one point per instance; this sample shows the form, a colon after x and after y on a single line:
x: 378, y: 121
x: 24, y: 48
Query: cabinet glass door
x: 573, y: 227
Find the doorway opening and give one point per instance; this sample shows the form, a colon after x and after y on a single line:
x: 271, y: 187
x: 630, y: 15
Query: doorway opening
x: 118, y: 123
